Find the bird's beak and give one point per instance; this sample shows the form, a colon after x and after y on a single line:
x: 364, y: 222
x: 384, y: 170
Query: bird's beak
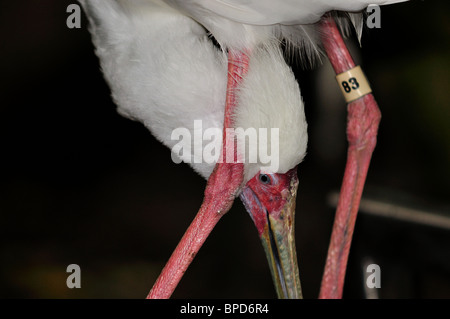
x: 276, y: 230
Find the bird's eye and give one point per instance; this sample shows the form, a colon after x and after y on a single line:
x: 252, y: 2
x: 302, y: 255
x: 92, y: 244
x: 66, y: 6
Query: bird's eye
x: 264, y: 178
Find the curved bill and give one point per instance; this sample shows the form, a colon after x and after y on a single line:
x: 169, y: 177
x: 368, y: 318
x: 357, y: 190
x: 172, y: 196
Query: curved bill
x: 275, y: 224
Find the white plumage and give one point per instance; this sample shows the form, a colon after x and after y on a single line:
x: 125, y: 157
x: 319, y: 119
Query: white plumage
x: 161, y: 67
x: 164, y: 71
x: 244, y: 23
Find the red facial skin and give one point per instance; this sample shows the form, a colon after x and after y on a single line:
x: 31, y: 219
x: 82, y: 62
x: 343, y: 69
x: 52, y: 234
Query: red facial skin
x: 261, y: 198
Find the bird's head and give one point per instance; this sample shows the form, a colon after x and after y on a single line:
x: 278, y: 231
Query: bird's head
x: 269, y: 98
x: 270, y: 201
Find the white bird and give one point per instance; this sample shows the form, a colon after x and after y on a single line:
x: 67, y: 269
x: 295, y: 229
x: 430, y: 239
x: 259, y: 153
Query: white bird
x: 164, y: 70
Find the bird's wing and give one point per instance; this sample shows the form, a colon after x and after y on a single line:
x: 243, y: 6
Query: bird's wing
x: 162, y: 69
x: 268, y: 12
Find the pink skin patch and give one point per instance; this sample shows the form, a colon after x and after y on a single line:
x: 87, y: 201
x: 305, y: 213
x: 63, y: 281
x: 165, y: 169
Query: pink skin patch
x: 267, y: 194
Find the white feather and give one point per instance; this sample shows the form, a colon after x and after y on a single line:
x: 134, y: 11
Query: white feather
x: 233, y: 21
x: 161, y: 66
x: 269, y: 97
x: 164, y: 71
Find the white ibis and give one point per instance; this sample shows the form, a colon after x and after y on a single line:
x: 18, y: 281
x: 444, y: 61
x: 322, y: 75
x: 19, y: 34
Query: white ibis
x: 165, y: 71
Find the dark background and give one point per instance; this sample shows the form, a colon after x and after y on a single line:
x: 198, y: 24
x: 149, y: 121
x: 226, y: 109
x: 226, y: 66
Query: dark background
x: 81, y: 185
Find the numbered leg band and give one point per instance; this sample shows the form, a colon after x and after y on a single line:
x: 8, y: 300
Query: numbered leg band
x: 353, y: 84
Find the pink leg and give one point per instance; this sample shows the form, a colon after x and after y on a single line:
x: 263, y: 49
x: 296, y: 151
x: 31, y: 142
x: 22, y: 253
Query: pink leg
x: 219, y: 196
x: 362, y: 127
